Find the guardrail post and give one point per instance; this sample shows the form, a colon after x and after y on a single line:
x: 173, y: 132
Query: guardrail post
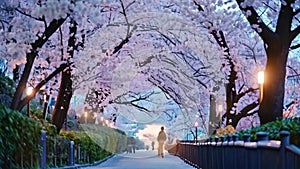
x: 246, y: 162
x: 228, y: 155
x: 42, y: 160
x: 78, y: 153
x: 234, y: 152
x: 262, y: 136
x: 285, y: 140
x: 210, y: 156
x: 262, y: 153
x: 216, y: 160
x: 235, y: 137
x: 222, y: 151
x: 246, y: 137
x: 229, y: 138
x: 71, y: 153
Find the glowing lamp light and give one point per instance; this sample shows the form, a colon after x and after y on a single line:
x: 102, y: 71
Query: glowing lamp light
x: 260, y: 77
x: 29, y: 91
x: 196, y: 124
x: 220, y: 108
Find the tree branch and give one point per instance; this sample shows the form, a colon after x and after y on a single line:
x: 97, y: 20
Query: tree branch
x: 266, y: 34
x: 42, y: 83
x: 295, y: 47
x: 30, y: 56
x: 132, y: 102
x: 199, y: 6
x: 240, y: 95
x: 295, y: 33
x: 296, y: 12
x: 23, y: 13
x: 126, y: 19
x: 53, y: 26
x: 245, y: 110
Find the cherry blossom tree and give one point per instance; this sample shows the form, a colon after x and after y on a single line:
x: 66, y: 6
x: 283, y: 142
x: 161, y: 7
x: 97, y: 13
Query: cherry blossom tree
x: 30, y: 40
x: 227, y: 30
x: 185, y: 51
x: 154, y: 56
x: 280, y: 36
x: 26, y: 43
x: 218, y: 17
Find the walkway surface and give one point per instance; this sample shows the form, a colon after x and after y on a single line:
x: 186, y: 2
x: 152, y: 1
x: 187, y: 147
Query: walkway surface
x: 143, y: 159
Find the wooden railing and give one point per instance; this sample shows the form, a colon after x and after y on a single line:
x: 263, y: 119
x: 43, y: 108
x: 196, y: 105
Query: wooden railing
x: 231, y: 153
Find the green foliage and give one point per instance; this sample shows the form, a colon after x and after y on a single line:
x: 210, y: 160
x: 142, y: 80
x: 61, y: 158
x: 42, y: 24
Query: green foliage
x: 7, y: 86
x: 89, y: 149
x: 37, y: 116
x: 19, y: 135
x: 57, y: 151
x: 7, y: 89
x: 273, y: 129
x: 96, y: 142
x: 112, y: 140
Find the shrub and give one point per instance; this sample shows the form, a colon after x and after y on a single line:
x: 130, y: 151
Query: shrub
x: 7, y: 85
x: 19, y: 135
x: 96, y: 142
x: 7, y: 89
x: 224, y: 131
x: 273, y: 129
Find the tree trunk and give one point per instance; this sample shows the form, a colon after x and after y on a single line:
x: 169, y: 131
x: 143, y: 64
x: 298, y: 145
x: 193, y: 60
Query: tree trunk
x: 273, y: 88
x: 278, y: 44
x: 63, y: 100
x: 24, y: 101
x: 212, y: 114
x: 22, y: 84
x: 16, y: 74
x: 65, y: 89
x: 53, y: 26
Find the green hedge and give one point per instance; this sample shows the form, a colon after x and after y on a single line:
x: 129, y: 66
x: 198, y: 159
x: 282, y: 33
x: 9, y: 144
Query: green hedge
x: 7, y: 86
x: 19, y: 135
x: 7, y: 89
x: 112, y: 140
x: 96, y: 142
x: 273, y: 129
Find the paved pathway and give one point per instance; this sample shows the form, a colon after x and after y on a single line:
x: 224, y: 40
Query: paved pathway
x: 143, y: 159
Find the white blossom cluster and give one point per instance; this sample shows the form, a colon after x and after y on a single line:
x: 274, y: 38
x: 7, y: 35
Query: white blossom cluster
x: 131, y: 48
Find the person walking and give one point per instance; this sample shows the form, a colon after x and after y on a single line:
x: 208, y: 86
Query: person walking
x: 152, y: 144
x: 161, y: 138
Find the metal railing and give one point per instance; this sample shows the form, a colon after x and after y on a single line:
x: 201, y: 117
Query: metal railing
x: 56, y: 152
x: 230, y: 153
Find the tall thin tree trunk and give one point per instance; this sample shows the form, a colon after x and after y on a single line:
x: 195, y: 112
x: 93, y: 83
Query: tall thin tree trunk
x: 63, y: 100
x: 212, y: 114
x: 65, y: 90
x: 24, y: 78
x: 273, y: 88
x: 16, y: 74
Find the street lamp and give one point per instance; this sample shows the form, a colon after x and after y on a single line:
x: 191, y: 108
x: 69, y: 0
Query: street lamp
x: 260, y: 79
x: 196, y: 127
x: 29, y: 91
x: 45, y: 108
x: 101, y: 120
x: 220, y: 110
x: 85, y: 116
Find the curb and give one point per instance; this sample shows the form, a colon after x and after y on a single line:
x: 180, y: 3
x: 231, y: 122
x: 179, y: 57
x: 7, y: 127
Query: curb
x: 85, y: 165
